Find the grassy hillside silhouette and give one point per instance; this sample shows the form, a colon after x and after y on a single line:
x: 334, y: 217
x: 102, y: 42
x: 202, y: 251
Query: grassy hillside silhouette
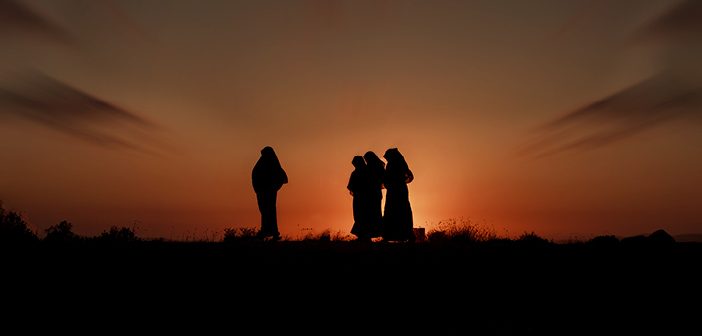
x: 459, y: 281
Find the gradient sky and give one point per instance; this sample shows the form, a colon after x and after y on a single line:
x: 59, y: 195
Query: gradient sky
x: 565, y: 118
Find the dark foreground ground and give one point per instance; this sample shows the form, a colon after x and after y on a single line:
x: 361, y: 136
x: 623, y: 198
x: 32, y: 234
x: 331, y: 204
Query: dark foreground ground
x: 333, y: 288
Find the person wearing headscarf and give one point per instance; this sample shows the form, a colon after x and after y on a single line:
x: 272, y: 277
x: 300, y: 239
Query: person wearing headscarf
x: 397, y: 220
x: 267, y: 178
x: 360, y: 188
x: 376, y: 168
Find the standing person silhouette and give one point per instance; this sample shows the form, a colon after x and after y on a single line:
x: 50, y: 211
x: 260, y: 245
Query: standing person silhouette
x: 397, y: 220
x: 268, y: 177
x: 376, y: 168
x: 360, y: 188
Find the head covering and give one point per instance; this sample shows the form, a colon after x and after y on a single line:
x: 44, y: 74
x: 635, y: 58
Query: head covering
x: 393, y: 154
x: 268, y: 150
x: 268, y: 155
x: 373, y: 160
x: 397, y: 167
x: 358, y: 161
x: 268, y: 174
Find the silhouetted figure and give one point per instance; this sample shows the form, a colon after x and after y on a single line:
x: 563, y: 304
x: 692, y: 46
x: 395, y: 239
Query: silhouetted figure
x: 360, y: 188
x: 376, y: 168
x: 268, y: 177
x: 397, y: 220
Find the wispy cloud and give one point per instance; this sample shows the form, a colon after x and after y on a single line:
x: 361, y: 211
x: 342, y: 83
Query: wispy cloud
x: 18, y: 18
x: 59, y: 106
x: 675, y: 92
x: 681, y: 20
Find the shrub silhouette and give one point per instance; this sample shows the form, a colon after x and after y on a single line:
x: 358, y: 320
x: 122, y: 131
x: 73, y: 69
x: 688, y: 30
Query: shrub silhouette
x: 118, y: 235
x: 61, y: 233
x: 13, y: 228
x: 341, y: 236
x: 463, y: 230
x: 532, y: 238
x: 324, y: 236
x: 239, y: 234
x: 604, y: 241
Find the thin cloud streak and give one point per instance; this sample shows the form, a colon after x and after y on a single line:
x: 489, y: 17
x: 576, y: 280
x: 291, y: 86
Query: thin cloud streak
x: 17, y: 18
x: 674, y: 93
x: 682, y: 20
x: 59, y: 106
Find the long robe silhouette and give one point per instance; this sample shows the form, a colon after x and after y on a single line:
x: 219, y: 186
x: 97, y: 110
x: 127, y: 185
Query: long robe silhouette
x: 376, y: 168
x: 360, y: 188
x: 268, y: 177
x: 397, y: 220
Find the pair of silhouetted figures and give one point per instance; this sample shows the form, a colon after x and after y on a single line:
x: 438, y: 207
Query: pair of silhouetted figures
x: 367, y: 180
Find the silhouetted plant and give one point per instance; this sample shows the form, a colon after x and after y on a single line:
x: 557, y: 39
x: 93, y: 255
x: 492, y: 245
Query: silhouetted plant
x: 604, y: 241
x: 13, y: 228
x: 61, y: 232
x: 437, y: 236
x: 341, y: 236
x: 325, y: 236
x: 460, y: 231
x: 119, y: 235
x: 239, y: 234
x: 532, y: 238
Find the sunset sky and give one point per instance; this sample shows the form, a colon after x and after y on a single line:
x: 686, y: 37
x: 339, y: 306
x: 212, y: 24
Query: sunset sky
x: 566, y: 118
